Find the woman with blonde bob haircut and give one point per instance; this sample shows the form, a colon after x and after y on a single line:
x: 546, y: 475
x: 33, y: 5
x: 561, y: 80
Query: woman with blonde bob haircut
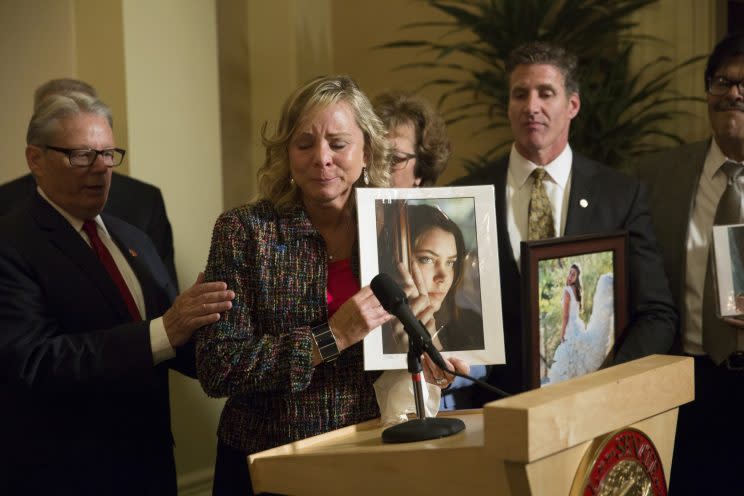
x: 274, y: 176
x: 288, y: 355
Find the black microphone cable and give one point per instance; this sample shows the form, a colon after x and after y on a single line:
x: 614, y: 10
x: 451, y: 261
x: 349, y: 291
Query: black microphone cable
x: 479, y: 382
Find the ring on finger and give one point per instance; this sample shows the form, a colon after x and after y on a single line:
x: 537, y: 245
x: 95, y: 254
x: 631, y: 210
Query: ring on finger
x: 440, y: 381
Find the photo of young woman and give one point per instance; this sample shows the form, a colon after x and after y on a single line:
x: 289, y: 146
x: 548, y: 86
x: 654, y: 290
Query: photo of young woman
x: 431, y: 264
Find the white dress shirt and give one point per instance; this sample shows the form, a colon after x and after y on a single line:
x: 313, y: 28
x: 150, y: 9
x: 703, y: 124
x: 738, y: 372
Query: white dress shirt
x: 159, y: 342
x: 710, y: 188
x: 519, y: 189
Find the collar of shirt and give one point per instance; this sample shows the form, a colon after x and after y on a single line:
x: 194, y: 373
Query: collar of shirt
x: 76, y: 223
x: 714, y: 160
x: 558, y: 171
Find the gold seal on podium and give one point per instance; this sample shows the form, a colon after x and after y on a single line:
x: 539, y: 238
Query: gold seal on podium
x: 622, y: 463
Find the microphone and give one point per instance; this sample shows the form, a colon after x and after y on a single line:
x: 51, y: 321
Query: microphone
x: 394, y: 301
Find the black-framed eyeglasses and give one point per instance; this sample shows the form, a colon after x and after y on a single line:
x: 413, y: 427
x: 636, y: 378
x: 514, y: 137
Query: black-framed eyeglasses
x: 400, y: 160
x: 720, y: 85
x: 85, y: 157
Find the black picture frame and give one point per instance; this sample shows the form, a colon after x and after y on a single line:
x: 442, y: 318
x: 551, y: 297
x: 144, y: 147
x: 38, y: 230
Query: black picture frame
x: 555, y: 254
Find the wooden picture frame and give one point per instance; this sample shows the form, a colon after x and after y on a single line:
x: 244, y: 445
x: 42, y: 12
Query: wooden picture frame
x: 572, y: 329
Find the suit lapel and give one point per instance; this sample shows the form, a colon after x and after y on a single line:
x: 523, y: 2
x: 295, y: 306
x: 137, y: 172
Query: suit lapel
x: 686, y: 174
x: 71, y: 245
x: 501, y: 170
x: 583, y: 198
x: 132, y: 254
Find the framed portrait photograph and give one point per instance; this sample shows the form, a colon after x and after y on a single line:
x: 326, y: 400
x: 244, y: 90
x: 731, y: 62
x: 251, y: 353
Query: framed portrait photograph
x: 439, y: 245
x: 728, y: 250
x: 575, y: 301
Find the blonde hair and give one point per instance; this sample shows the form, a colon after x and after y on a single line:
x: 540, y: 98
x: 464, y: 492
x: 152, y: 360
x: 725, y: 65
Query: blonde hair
x: 274, y: 182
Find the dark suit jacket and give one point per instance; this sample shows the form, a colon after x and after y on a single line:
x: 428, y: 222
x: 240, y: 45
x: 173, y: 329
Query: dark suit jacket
x: 84, y: 411
x: 136, y: 202
x: 673, y: 177
x: 615, y: 202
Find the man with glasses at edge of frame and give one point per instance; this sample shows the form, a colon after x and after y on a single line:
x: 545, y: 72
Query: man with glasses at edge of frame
x: 687, y: 190
x: 89, y: 323
x: 137, y: 202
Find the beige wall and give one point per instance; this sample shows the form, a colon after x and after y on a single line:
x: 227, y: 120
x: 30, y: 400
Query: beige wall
x: 37, y: 43
x: 172, y: 106
x: 688, y: 28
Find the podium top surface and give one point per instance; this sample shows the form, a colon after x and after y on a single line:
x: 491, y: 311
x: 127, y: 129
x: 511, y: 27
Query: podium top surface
x: 522, y: 429
x: 556, y: 417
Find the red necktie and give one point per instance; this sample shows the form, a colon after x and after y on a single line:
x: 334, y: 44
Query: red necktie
x: 104, y: 256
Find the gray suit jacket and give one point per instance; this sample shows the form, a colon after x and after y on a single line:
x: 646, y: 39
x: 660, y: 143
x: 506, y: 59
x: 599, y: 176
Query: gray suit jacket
x: 672, y: 178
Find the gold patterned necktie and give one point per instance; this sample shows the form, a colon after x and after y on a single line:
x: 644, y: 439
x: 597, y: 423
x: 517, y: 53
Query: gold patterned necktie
x: 540, y: 220
x: 719, y: 338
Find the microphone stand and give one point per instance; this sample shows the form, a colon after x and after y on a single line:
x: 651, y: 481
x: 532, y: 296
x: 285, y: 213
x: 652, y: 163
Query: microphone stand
x: 422, y: 427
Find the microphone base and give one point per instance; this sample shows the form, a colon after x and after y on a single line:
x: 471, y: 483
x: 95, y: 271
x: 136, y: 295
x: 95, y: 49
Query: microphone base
x: 422, y: 429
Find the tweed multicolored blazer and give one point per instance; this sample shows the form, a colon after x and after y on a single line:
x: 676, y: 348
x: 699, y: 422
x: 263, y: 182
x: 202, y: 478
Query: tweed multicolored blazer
x: 259, y: 353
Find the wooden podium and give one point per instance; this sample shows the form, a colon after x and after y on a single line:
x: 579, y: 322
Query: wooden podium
x: 540, y: 442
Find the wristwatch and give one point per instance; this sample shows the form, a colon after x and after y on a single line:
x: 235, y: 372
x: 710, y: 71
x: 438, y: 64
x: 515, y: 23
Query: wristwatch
x: 326, y: 342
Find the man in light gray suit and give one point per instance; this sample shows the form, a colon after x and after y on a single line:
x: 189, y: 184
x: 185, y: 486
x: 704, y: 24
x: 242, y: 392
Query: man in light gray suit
x: 685, y: 186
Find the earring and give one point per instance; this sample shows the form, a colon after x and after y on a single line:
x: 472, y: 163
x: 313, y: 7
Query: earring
x: 291, y: 180
x: 366, y: 176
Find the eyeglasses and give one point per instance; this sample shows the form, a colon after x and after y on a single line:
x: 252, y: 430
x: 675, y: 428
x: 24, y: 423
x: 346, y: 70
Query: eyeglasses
x: 87, y: 157
x: 719, y: 86
x: 400, y: 160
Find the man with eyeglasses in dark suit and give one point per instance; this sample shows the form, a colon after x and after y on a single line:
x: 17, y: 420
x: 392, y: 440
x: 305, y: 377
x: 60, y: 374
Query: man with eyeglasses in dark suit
x: 89, y: 323
x: 137, y: 202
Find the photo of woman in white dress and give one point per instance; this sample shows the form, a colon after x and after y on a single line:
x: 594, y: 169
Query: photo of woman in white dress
x: 580, y: 346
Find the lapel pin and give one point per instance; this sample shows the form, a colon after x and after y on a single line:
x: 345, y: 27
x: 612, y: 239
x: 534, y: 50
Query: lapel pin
x: 133, y: 252
x: 583, y: 203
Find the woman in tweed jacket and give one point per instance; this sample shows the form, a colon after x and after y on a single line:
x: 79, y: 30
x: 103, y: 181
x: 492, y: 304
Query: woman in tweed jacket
x: 289, y: 258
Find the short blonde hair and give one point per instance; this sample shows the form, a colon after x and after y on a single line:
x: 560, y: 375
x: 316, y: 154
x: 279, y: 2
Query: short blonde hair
x: 274, y: 182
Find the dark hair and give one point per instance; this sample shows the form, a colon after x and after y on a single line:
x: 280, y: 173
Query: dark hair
x: 730, y: 46
x: 577, y: 284
x: 540, y: 52
x: 422, y: 218
x: 397, y: 108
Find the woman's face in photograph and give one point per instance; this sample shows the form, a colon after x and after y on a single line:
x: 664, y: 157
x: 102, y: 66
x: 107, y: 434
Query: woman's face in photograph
x: 435, y: 253
x: 572, y: 275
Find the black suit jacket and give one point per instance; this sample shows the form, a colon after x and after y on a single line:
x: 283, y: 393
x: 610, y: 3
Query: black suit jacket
x: 84, y: 411
x: 614, y: 202
x: 136, y: 202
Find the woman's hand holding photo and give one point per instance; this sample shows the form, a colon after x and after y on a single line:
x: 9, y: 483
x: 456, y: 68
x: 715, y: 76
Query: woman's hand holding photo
x: 434, y: 375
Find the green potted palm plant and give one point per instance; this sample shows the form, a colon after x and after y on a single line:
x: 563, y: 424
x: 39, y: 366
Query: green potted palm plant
x: 623, y: 109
